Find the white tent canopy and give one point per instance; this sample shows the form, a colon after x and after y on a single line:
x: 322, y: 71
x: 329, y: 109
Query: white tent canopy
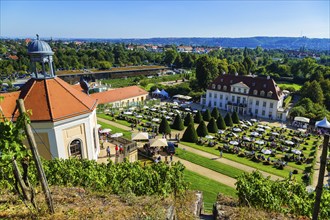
x: 140, y: 136
x: 184, y: 97
x: 302, y: 119
x: 323, y: 123
x: 157, y: 91
x: 164, y: 93
x: 161, y: 142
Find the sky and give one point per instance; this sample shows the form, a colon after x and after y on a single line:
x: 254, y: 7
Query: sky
x: 164, y: 18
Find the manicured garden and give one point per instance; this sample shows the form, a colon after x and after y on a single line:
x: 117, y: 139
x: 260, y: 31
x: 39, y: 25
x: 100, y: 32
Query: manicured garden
x: 276, y: 150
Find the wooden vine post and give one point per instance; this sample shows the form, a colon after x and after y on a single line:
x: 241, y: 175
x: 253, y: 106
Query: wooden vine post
x: 319, y: 186
x: 36, y: 158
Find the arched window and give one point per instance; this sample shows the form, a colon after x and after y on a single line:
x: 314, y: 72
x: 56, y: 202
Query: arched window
x: 255, y: 92
x: 262, y: 93
x: 225, y: 88
x: 269, y: 94
x: 219, y: 87
x: 213, y: 86
x: 75, y: 148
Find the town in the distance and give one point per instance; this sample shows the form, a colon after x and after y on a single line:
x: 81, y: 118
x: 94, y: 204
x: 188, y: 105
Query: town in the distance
x: 164, y: 130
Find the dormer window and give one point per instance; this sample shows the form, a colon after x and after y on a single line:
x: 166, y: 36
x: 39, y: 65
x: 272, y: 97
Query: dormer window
x: 253, y: 84
x: 269, y: 94
x: 231, y: 81
x: 265, y: 85
x: 213, y: 86
x: 221, y: 80
x: 255, y: 92
x: 219, y: 87
x: 262, y: 93
x: 225, y: 88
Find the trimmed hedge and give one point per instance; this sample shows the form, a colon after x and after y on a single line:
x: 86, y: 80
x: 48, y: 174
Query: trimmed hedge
x: 202, y: 130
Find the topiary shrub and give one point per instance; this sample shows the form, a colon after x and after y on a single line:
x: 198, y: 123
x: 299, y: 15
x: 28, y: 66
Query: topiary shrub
x: 188, y: 120
x: 201, y: 129
x: 164, y: 127
x: 190, y: 134
x: 235, y: 117
x: 198, y: 117
x: 228, y: 120
x: 206, y: 115
x: 215, y: 112
x: 212, y: 126
x: 178, y: 124
x: 221, y: 123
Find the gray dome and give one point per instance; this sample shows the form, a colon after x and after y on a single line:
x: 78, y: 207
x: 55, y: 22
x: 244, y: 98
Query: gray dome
x: 39, y: 47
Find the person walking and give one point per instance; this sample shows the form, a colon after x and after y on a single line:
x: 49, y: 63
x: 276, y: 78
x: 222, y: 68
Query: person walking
x: 108, y: 151
x: 220, y: 153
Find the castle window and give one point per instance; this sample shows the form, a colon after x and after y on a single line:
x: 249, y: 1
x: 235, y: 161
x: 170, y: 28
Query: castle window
x: 269, y: 94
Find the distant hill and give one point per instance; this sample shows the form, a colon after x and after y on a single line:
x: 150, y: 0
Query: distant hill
x: 250, y: 42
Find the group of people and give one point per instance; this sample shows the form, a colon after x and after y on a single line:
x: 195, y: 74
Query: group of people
x: 119, y: 150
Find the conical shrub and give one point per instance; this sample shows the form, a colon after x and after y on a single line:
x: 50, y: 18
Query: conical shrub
x: 212, y: 126
x: 228, y: 120
x: 164, y: 127
x: 206, y: 115
x: 215, y: 112
x: 221, y: 123
x: 235, y: 117
x: 178, y: 124
x: 188, y: 120
x: 202, y: 129
x: 190, y: 134
x: 198, y: 117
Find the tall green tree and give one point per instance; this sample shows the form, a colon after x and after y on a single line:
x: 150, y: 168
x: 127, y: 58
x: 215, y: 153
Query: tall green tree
x: 178, y: 124
x: 228, y: 120
x: 215, y: 112
x: 188, y: 120
x: 221, y: 123
x: 313, y: 91
x: 164, y: 127
x: 201, y: 129
x: 207, y: 115
x: 198, y: 117
x: 190, y: 134
x: 235, y: 117
x: 206, y: 70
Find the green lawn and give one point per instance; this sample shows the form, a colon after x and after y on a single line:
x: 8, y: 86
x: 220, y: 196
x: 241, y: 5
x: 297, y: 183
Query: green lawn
x: 267, y: 168
x: 209, y: 187
x: 287, y: 85
x: 209, y: 163
x: 126, y: 134
x: 108, y: 117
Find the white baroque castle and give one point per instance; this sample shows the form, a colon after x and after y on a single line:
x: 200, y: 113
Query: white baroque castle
x: 247, y: 95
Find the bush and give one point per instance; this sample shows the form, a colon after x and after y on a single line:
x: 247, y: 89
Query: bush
x: 206, y: 115
x: 212, y: 126
x: 295, y: 172
x: 215, y: 112
x: 178, y: 124
x: 164, y: 127
x: 221, y: 123
x: 198, y: 117
x: 190, y: 134
x: 201, y: 129
x: 235, y: 117
x: 228, y: 120
x: 188, y: 120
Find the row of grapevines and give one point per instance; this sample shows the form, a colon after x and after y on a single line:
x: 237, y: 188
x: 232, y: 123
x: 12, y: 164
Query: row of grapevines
x: 160, y: 178
x: 282, y: 196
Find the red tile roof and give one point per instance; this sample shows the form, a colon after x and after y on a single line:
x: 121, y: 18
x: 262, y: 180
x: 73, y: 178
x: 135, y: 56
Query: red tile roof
x: 255, y: 83
x: 118, y: 94
x: 49, y: 100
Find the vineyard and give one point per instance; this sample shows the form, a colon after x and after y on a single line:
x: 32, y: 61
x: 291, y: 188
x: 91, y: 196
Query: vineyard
x: 156, y: 179
x: 281, y: 196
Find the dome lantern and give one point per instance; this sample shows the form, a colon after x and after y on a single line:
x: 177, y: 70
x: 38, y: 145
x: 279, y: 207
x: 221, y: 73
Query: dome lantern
x: 41, y: 59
